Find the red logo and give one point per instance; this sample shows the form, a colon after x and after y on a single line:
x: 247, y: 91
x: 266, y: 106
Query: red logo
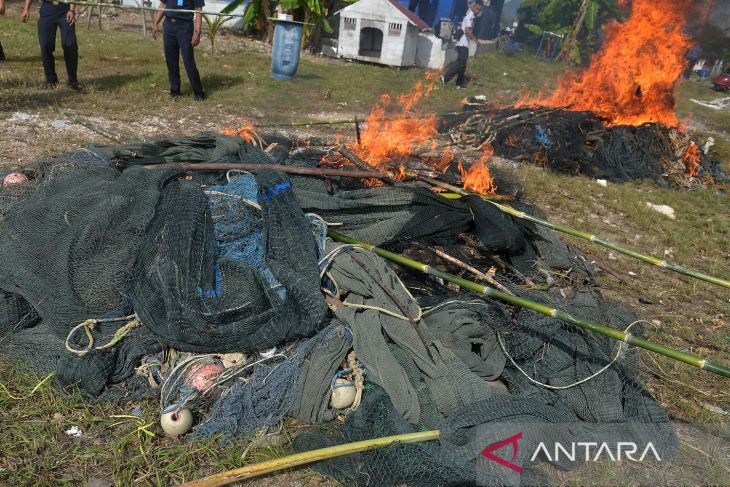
x: 512, y: 440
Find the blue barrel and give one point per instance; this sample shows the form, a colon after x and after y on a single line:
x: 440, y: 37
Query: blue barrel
x: 285, y: 52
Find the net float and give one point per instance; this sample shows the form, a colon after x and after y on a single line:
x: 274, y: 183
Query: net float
x: 203, y: 376
x: 176, y: 423
x: 14, y: 178
x: 343, y: 394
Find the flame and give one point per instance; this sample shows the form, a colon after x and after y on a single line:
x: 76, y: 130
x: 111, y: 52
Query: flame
x: 247, y: 132
x: 478, y: 179
x: 631, y: 80
x: 691, y: 160
x: 389, y: 137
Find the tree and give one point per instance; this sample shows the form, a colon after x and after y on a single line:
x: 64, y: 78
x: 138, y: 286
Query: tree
x: 578, y: 20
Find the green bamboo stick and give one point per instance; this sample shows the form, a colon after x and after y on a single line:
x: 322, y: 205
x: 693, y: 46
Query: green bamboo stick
x: 139, y: 7
x: 540, y: 308
x: 581, y: 234
x: 238, y: 474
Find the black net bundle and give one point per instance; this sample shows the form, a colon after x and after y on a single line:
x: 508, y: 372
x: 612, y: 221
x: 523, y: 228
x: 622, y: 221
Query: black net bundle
x: 197, y: 302
x: 545, y: 379
x: 149, y: 261
x: 84, y: 241
x: 573, y: 142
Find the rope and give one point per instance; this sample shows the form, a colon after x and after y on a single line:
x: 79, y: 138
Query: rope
x: 623, y: 347
x: 89, y: 325
x: 327, y: 261
x: 620, y: 350
x: 178, y: 373
x: 353, y: 364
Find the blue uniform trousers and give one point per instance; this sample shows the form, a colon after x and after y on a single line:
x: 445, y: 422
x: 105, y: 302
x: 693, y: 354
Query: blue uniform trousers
x: 53, y: 17
x: 177, y: 38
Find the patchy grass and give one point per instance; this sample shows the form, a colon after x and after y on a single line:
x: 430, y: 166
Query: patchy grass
x: 126, y: 93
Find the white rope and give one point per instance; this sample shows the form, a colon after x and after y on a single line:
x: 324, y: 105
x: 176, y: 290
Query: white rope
x: 328, y: 260
x: 89, y: 325
x: 623, y: 346
x: 178, y: 372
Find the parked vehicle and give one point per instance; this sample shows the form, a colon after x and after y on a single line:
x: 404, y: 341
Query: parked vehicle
x: 722, y: 82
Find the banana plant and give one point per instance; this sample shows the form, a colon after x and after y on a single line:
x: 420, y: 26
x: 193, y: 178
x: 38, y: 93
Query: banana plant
x: 257, y: 15
x: 569, y: 18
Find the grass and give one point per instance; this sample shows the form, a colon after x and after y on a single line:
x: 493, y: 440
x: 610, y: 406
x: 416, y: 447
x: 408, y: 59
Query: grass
x: 126, y: 91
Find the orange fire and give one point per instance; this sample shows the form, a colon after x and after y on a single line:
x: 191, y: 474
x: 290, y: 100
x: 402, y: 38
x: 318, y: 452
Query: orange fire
x: 691, y: 160
x: 246, y: 132
x: 389, y: 136
x: 478, y: 179
x: 394, y: 132
x: 631, y: 80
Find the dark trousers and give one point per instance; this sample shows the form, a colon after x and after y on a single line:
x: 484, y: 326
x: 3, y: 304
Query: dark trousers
x: 688, y: 69
x: 2, y: 53
x: 50, y: 19
x: 177, y: 40
x: 458, y: 67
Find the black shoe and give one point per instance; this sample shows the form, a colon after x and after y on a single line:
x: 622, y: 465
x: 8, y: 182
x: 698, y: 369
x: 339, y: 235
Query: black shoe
x: 200, y: 97
x: 49, y: 86
x: 175, y: 94
x: 74, y: 85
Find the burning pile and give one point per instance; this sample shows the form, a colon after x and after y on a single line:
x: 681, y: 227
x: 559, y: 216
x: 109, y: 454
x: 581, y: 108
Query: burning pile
x: 573, y: 142
x: 614, y: 120
x: 394, y: 137
x: 631, y: 81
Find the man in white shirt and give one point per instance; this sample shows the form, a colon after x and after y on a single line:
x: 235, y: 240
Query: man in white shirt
x: 458, y: 67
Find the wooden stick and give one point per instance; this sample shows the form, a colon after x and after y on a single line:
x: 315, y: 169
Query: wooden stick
x: 481, y: 275
x: 301, y: 171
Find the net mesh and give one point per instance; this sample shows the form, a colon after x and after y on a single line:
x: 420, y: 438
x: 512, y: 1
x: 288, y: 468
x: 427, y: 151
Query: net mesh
x: 218, y: 263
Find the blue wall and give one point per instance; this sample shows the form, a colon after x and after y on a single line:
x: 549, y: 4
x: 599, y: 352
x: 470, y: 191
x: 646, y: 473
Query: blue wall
x: 441, y: 8
x: 455, y: 9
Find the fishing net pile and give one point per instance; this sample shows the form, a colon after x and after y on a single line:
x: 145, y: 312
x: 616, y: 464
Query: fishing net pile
x: 573, y: 142
x: 123, y: 279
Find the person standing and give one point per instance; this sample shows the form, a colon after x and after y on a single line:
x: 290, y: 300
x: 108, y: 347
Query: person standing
x: 458, y: 68
x: 2, y: 12
x: 181, y: 34
x: 55, y: 15
x: 693, y: 57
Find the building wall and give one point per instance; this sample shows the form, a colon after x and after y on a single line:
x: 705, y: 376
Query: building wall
x: 210, y: 6
x: 410, y: 46
x: 399, y: 44
x: 434, y: 53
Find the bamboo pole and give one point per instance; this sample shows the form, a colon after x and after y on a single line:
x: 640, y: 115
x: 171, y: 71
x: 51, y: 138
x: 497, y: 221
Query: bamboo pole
x: 153, y: 9
x: 580, y: 234
x: 540, y: 308
x: 238, y: 474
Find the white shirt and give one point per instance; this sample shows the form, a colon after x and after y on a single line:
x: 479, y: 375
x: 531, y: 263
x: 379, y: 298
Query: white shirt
x: 468, y: 22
